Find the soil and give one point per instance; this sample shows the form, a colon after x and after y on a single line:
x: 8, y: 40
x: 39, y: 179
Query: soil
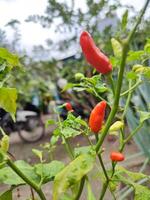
x: 23, y: 151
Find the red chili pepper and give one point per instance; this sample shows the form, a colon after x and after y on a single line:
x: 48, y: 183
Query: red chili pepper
x: 93, y: 55
x: 97, y: 117
x: 68, y: 106
x: 116, y: 156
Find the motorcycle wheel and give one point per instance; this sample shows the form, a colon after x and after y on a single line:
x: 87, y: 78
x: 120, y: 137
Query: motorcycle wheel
x: 32, y: 130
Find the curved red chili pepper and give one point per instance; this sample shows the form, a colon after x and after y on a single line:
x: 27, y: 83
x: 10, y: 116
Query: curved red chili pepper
x: 93, y: 55
x: 97, y: 117
x: 116, y: 156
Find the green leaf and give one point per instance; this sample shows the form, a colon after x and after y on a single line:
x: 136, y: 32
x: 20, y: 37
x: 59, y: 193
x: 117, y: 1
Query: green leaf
x: 133, y: 176
x: 115, y: 61
x: 144, y: 116
x: 131, y: 75
x: 117, y: 48
x: 6, y: 195
x: 50, y: 122
x: 47, y: 171
x: 4, y: 143
x: 90, y: 195
x: 124, y: 20
x: 66, y: 197
x: 141, y: 192
x: 38, y: 153
x: 9, y: 177
x: 54, y: 139
x: 68, y: 86
x: 147, y: 47
x: 83, y: 150
x: 8, y: 100
x: 3, y: 156
x: 9, y: 57
x: 135, y: 55
x: 70, y: 132
x: 72, y: 174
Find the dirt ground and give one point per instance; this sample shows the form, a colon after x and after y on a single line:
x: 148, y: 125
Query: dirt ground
x: 23, y: 151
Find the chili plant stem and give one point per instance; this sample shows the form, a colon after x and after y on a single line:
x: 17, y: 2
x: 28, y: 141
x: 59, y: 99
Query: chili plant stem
x: 80, y: 188
x: 101, y: 162
x: 67, y: 144
x: 132, y: 88
x: 105, y: 185
x: 128, y: 100
x: 26, y: 179
x: 134, y: 132
x: 118, y: 89
x: 110, y: 79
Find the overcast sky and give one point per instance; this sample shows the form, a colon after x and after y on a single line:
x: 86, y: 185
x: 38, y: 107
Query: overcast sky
x: 34, y: 34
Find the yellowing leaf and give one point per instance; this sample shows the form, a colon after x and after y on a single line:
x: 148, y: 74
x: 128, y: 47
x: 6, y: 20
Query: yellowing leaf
x: 72, y: 174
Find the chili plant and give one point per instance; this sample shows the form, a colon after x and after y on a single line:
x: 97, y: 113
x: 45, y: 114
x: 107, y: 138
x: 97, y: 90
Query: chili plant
x: 112, y: 91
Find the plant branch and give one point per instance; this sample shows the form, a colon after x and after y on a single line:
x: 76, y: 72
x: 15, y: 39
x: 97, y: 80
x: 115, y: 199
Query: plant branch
x: 80, y: 188
x: 128, y: 100
x: 131, y: 88
x: 134, y: 132
x: 101, y: 162
x: 26, y: 179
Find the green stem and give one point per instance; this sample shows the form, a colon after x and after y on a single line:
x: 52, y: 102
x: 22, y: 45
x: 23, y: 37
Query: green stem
x: 131, y: 34
x: 134, y: 132
x: 144, y: 165
x: 26, y: 179
x: 128, y: 100
x: 101, y: 162
x: 67, y: 145
x: 132, y: 88
x: 80, y: 188
x: 110, y: 79
x: 105, y: 186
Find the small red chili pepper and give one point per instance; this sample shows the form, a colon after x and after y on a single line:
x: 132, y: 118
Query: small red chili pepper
x: 93, y: 55
x: 97, y: 117
x: 68, y: 106
x: 116, y: 156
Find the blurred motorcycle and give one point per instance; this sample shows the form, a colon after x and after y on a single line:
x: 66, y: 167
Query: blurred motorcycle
x: 29, y: 125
